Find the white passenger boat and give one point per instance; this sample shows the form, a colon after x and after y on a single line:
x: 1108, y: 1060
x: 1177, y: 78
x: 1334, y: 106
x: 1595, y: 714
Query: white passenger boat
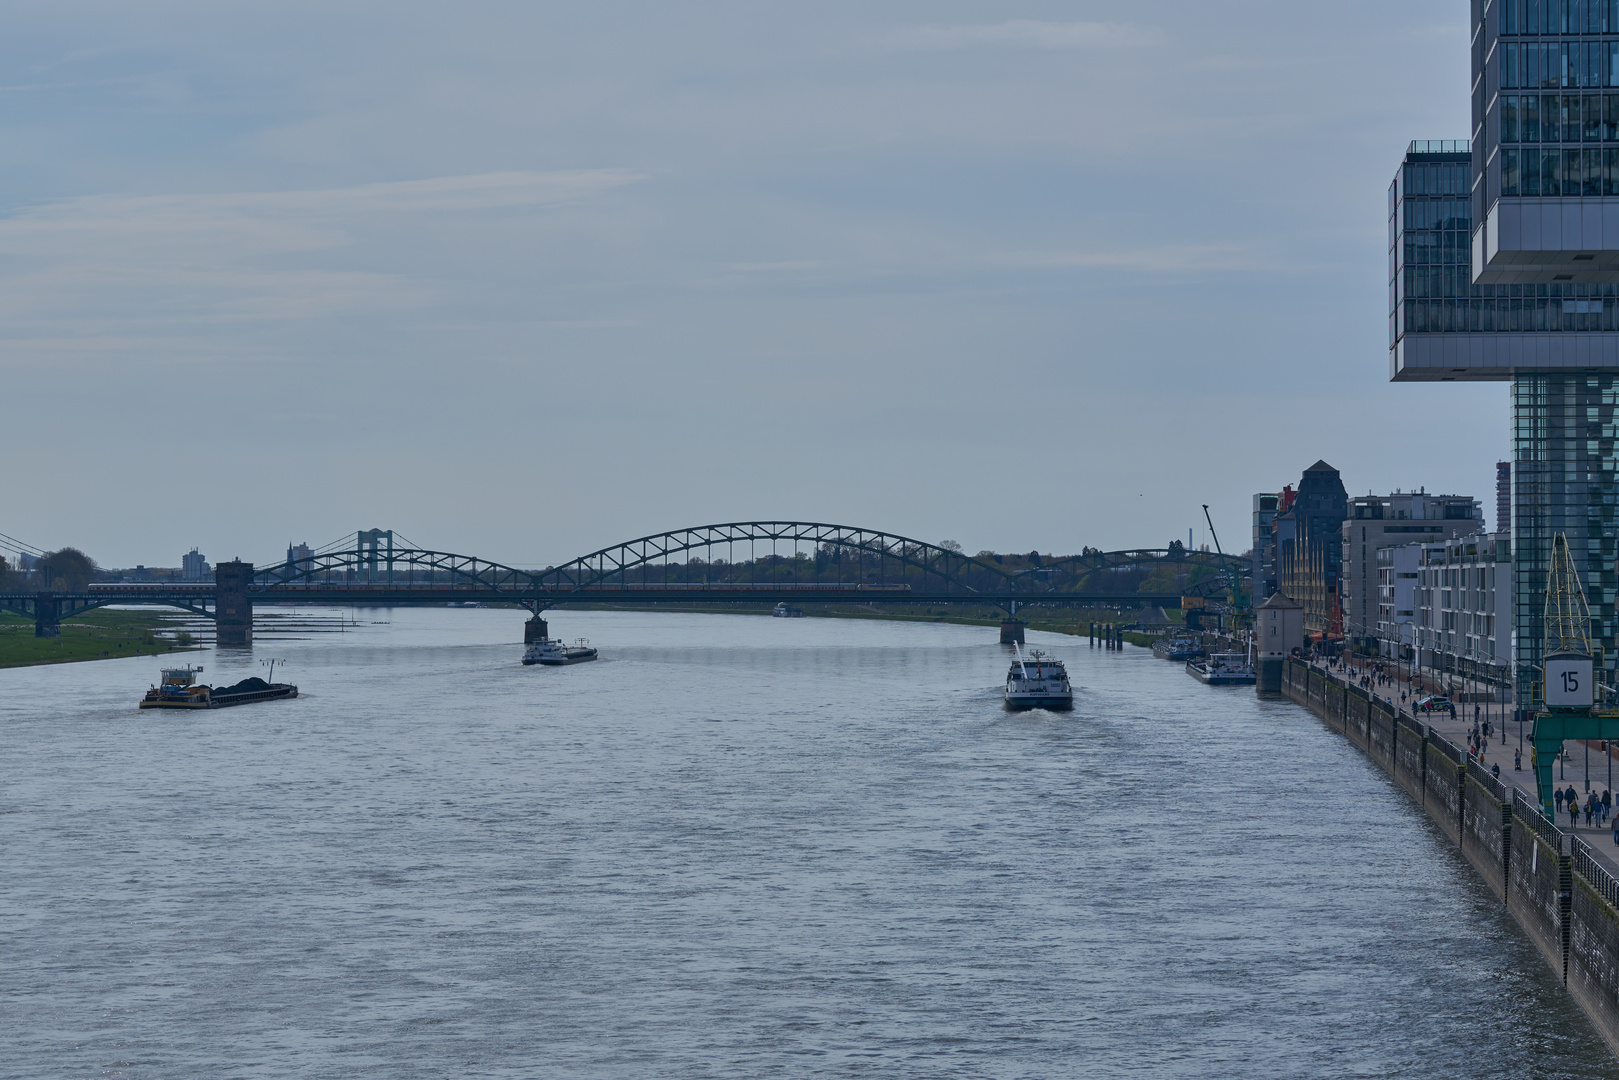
x: 1222, y: 669
x: 553, y: 652
x: 1037, y: 681
x: 787, y: 611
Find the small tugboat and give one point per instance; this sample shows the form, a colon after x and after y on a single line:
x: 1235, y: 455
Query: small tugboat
x: 1038, y: 682
x: 553, y: 653
x: 179, y: 690
x: 784, y: 611
x: 1222, y: 669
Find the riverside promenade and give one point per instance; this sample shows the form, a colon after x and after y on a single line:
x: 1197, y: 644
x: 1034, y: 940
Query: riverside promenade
x: 1560, y: 884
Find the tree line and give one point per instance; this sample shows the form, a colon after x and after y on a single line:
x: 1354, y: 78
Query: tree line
x: 65, y: 570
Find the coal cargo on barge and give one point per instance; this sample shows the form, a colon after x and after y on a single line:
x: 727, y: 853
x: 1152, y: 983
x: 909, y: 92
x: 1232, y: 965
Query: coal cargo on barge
x: 179, y: 690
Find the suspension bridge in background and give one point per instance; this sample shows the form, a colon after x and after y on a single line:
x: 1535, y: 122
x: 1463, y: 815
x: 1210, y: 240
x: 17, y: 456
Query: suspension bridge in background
x: 725, y: 564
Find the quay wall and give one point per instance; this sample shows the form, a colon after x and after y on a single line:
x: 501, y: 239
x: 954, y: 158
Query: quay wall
x: 1442, y: 785
x: 1380, y: 735
x: 1564, y: 899
x: 1534, y: 891
x: 1486, y: 827
x: 1408, y: 757
x: 1593, y: 938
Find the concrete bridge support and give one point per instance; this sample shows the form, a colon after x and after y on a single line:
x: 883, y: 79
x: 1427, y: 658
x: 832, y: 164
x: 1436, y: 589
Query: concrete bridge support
x: 233, y: 604
x: 47, y: 615
x: 534, y: 630
x: 1012, y: 630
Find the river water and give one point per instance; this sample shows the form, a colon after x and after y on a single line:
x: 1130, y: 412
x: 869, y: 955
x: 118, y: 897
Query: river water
x: 734, y: 847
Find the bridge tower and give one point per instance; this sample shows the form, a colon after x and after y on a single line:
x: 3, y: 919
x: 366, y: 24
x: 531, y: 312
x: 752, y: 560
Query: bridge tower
x: 47, y: 615
x: 233, y: 604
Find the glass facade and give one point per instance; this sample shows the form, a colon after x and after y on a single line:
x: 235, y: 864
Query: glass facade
x: 1563, y: 480
x: 1545, y: 99
x: 1544, y: 93
x: 1430, y: 273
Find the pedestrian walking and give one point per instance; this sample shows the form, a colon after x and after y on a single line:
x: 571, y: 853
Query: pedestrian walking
x: 1607, y: 805
x: 1590, y: 800
x: 1559, y: 796
x: 1517, y: 761
x: 1495, y: 771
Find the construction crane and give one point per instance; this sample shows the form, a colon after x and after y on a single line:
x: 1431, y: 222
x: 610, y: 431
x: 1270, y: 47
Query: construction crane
x: 1230, y: 573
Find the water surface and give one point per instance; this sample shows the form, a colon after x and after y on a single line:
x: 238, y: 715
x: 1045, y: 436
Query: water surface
x: 734, y: 847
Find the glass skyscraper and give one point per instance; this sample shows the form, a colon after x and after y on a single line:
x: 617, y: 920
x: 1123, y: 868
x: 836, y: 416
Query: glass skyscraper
x: 1504, y: 265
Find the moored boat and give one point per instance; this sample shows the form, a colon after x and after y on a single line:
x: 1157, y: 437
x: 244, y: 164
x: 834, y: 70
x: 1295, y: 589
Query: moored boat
x: 786, y: 611
x: 179, y: 690
x: 1177, y: 648
x: 1038, y: 681
x: 1222, y: 669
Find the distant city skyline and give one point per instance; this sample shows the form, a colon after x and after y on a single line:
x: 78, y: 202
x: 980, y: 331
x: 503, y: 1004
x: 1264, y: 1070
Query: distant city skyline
x: 525, y: 282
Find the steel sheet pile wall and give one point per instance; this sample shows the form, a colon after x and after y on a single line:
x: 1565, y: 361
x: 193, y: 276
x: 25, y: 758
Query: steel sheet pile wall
x: 1486, y: 826
x: 1593, y: 941
x: 1442, y: 785
x: 1537, y: 871
x: 1408, y: 757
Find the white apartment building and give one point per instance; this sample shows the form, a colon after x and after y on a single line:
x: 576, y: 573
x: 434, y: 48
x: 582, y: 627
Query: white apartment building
x: 1378, y: 521
x: 1396, y: 600
x: 1462, y: 606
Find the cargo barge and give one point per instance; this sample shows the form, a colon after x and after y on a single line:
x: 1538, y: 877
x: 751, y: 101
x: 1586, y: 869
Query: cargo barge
x: 1222, y: 669
x: 179, y: 690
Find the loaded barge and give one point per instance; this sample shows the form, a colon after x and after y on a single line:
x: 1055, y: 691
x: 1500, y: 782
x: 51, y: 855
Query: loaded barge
x: 179, y: 690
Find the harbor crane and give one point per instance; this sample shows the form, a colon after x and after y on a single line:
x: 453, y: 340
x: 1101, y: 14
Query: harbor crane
x: 1230, y: 571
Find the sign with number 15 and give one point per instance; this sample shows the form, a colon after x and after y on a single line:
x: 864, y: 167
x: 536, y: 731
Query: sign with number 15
x: 1569, y: 684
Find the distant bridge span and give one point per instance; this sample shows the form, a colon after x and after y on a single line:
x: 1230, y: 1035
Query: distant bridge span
x: 844, y: 565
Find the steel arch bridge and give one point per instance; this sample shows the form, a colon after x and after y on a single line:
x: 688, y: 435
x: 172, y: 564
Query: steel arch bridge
x: 721, y: 563
x: 646, y: 562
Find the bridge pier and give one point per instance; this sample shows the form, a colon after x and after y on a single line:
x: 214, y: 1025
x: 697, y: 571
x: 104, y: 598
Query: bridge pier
x: 47, y: 615
x: 1012, y: 630
x: 534, y: 630
x: 233, y: 604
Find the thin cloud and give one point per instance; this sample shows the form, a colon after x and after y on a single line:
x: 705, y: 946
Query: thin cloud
x: 482, y: 191
x: 1026, y: 33
x: 1170, y: 259
x: 800, y: 264
x: 202, y: 258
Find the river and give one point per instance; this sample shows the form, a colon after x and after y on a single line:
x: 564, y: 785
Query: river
x: 733, y: 847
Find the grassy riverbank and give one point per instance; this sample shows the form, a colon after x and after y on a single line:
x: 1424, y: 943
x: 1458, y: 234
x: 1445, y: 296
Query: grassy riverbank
x: 100, y: 634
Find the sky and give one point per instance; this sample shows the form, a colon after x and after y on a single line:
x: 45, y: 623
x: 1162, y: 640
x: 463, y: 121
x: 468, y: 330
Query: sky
x: 526, y: 280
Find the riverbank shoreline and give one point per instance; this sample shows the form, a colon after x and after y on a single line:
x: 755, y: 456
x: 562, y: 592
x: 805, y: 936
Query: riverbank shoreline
x: 1555, y: 886
x: 101, y: 634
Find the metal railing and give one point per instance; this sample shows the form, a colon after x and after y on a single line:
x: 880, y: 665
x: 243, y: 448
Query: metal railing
x: 1595, y: 874
x: 1529, y: 812
x: 1440, y: 146
x: 1490, y: 782
x: 1445, y: 746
